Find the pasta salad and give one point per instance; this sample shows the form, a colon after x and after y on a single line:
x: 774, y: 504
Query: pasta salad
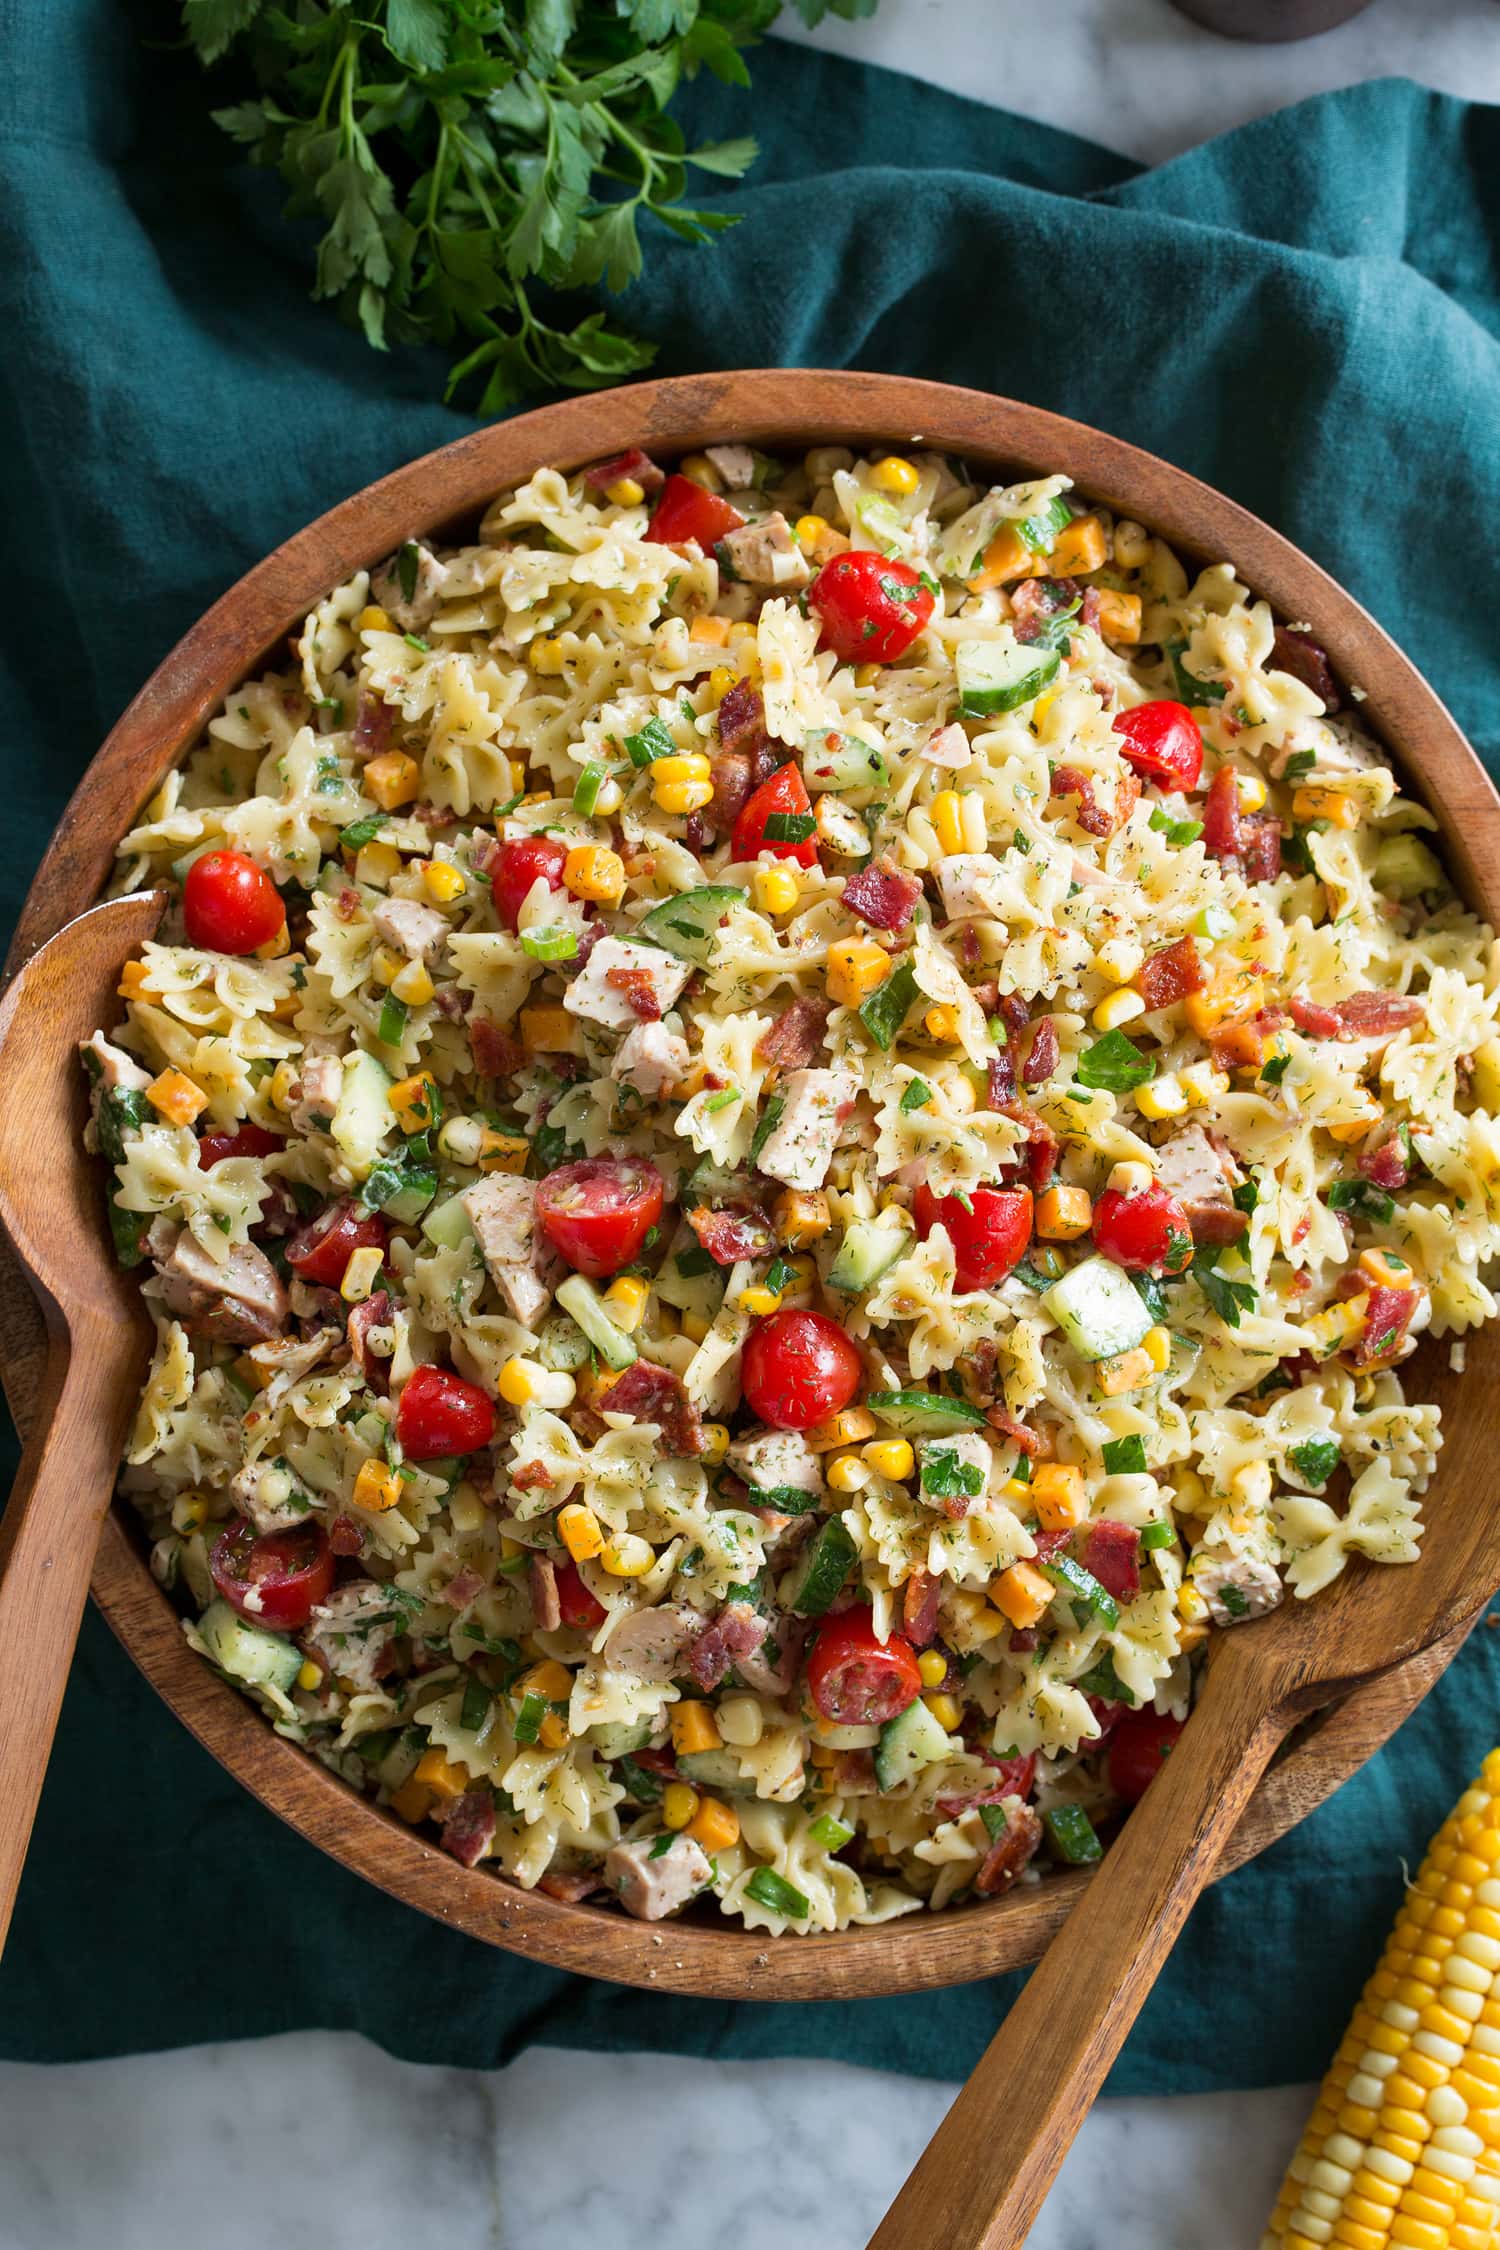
x: 787, y: 1130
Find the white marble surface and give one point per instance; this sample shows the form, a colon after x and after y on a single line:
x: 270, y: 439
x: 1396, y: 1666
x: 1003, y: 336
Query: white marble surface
x: 319, y: 2142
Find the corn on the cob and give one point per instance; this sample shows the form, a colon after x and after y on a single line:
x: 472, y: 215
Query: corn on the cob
x: 1403, y: 2146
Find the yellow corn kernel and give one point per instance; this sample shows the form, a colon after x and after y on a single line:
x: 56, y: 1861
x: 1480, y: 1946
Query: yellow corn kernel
x: 1119, y: 617
x: 679, y: 1804
x: 1081, y: 546
x: 890, y: 1457
x: 359, y: 1274
x: 1064, y: 1213
x: 687, y: 765
x: 387, y: 963
x: 846, y: 1473
x: 624, y: 493
x: 376, y: 1489
x: 625, y: 1301
x: 594, y: 871
x: 699, y: 468
x: 1157, y: 1346
x: 274, y: 948
x: 866, y: 675
x: 1191, y: 1605
x: 626, y: 1556
x: 1022, y: 1594
x: 895, y: 475
x: 957, y: 818
x: 709, y: 631
x: 800, y: 1216
x: 776, y: 889
x: 941, y: 1023
x: 1059, y: 1495
x: 175, y: 1097
x: 501, y: 1152
x: 1007, y: 556
x: 715, y: 1444
x: 759, y: 1301
x: 694, y: 1728
x: 375, y: 864
x: 579, y: 1529
x: 442, y: 883
x: 415, y: 1100
x: 550, y: 1031
x: 309, y: 1676
x: 392, y: 779
x: 715, y: 1826
x: 546, y: 656
x: 1233, y: 994
x: 1119, y: 959
x: 683, y: 796
x: 525, y: 1382
x: 850, y: 1426
x: 856, y: 968
x: 1325, y: 804
x: 373, y: 619
x: 1250, y: 790
x: 1164, y: 1097
x: 809, y: 530
x: 933, y: 1668
x: 1200, y: 1084
x: 947, y: 1710
x: 413, y: 984
x: 720, y: 680
x: 1128, y: 1371
x: 1117, y: 1008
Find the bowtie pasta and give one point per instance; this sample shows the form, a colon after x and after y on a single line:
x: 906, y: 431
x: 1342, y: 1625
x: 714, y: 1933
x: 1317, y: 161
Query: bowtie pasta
x: 788, y: 1128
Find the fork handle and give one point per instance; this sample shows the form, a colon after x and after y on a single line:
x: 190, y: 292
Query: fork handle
x: 986, y: 2171
x: 48, y: 1535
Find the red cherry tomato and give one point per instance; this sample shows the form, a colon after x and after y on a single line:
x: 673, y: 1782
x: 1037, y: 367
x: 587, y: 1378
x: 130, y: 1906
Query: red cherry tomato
x: 785, y: 795
x: 1163, y: 744
x: 685, y: 510
x: 856, y: 1680
x: 275, y: 1580
x: 797, y: 1368
x: 250, y: 1140
x: 517, y: 867
x: 1147, y: 1232
x: 577, y: 1605
x: 1141, y: 1740
x: 597, y: 1213
x: 439, y: 1413
x: 870, y: 608
x: 989, y: 1230
x: 230, y: 905
x: 322, y: 1251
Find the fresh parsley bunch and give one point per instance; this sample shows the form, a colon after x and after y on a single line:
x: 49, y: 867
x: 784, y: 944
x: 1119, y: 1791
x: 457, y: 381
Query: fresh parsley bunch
x: 476, y: 164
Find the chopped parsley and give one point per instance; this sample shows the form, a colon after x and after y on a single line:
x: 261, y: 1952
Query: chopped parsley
x: 945, y: 1476
x: 1363, y: 1198
x: 1315, y: 1459
x: 1125, y: 1456
x: 1228, y: 1298
x: 1115, y: 1064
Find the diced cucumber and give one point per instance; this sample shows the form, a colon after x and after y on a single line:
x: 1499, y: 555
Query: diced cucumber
x: 1098, y: 1308
x: 1001, y: 675
x: 869, y: 1248
x: 909, y: 1741
x: 1072, y: 1835
x: 712, y: 1184
x: 447, y: 1224
x: 248, y: 1652
x: 924, y: 1413
x: 562, y: 1346
x: 1406, y: 868
x: 576, y: 1296
x: 617, y: 1738
x: 718, y: 1770
x: 832, y: 759
x: 364, y: 1117
x: 882, y: 520
x: 688, y: 924
x: 827, y: 1563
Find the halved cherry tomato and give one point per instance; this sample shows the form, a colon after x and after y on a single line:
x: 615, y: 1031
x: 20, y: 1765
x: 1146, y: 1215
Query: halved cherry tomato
x: 871, y: 609
x: 250, y: 1140
x: 597, y: 1213
x: 439, y: 1413
x: 322, y: 1250
x: 685, y: 510
x: 274, y: 1580
x: 1163, y: 744
x: 989, y: 1229
x: 1140, y: 1742
x: 577, y: 1605
x: 1148, y: 1232
x: 856, y: 1680
x: 783, y: 799
x: 229, y: 905
x: 797, y: 1368
x: 517, y: 866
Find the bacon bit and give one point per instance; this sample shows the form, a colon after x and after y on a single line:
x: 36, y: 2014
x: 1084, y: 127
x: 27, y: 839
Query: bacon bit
x: 633, y: 463
x: 1262, y: 847
x: 532, y: 1476
x: 796, y: 1035
x: 1092, y: 817
x: 1299, y: 654
x: 1378, y: 1015
x: 1111, y: 1551
x: 1384, y: 1162
x: 571, y: 1888
x: 696, y: 833
x: 347, y: 904
x: 736, y: 1230
x: 1037, y: 600
x: 661, y: 1762
x: 1388, y: 1315
x: 541, y: 1574
x: 968, y: 944
x: 1001, y: 1072
x: 375, y: 1312
x: 469, y: 1829
x: 734, y: 1634
x: 464, y: 1588
x: 639, y: 991
x: 373, y: 724
x: 649, y: 1393
x: 742, y: 729
x: 1026, y: 1441
x: 345, y: 1536
x: 733, y: 779
x: 919, y: 1607
x: 1010, y: 1852
x: 881, y: 895
x: 1170, y: 975
x: 1222, y: 823
x: 1315, y: 1021
x: 1216, y: 1223
x: 854, y: 1773
x: 1237, y: 1046
x: 1089, y: 613
x: 1042, y: 1144
x: 1044, y: 1054
x: 492, y: 1050
x: 1023, y: 1640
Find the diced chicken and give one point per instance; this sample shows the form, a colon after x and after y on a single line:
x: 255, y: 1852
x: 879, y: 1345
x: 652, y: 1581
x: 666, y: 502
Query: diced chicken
x: 653, y: 1882
x: 950, y: 746
x: 416, y: 567
x: 546, y: 1607
x: 735, y: 464
x: 239, y: 1299
x: 652, y: 1058
x: 800, y: 1147
x: 777, y: 1461
x: 320, y: 1082
x: 591, y: 994
x: 771, y: 1669
x: 961, y: 882
x: 1235, y: 1586
x: 352, y: 1631
x: 766, y: 553
x: 653, y: 1644
x: 415, y: 930
x: 1191, y: 1168
x: 969, y: 1450
x: 502, y: 1212
x: 258, y: 1494
x: 117, y: 1070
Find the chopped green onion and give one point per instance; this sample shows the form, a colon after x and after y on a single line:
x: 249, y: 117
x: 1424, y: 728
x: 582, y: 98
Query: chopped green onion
x: 586, y: 789
x: 832, y: 1834
x: 773, y: 1891
x: 1072, y: 1835
x: 549, y: 944
x: 529, y: 1719
x: 651, y: 743
x: 361, y: 832
x: 1213, y: 922
x: 392, y: 1027
x: 1158, y: 1535
x: 723, y: 1099
x: 477, y: 1704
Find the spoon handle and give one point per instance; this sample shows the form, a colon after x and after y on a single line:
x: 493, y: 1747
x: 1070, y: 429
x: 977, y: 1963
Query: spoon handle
x: 987, y: 2169
x: 47, y: 1540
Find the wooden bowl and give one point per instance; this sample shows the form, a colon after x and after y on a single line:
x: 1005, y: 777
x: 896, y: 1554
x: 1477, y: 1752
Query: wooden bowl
x: 443, y: 495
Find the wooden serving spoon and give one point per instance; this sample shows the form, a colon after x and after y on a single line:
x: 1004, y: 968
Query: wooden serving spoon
x: 987, y: 2169
x: 52, y: 1207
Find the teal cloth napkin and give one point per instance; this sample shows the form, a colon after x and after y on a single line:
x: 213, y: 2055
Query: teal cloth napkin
x: 1306, y: 312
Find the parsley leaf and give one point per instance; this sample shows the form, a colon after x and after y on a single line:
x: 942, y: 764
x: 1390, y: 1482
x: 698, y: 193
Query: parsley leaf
x: 1125, y: 1456
x: 1115, y: 1063
x: 1315, y: 1459
x: 1364, y: 1199
x: 1228, y: 1298
x: 944, y: 1475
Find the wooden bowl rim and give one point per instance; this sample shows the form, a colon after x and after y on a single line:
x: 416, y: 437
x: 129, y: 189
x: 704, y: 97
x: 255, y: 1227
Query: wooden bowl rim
x: 433, y: 494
